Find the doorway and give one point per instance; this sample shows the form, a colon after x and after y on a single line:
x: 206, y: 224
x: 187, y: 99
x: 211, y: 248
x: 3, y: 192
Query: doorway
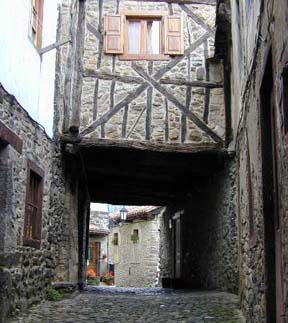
x: 272, y: 234
x: 177, y: 246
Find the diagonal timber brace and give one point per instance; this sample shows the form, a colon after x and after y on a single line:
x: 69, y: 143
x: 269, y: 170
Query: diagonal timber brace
x: 197, y: 19
x: 134, y: 94
x: 192, y: 116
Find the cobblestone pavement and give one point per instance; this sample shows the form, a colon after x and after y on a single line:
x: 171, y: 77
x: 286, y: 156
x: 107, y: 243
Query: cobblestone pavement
x: 100, y: 304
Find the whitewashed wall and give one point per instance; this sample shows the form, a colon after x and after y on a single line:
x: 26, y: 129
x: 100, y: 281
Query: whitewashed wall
x: 22, y: 72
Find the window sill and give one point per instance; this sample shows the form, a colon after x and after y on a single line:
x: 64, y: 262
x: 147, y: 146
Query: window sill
x: 127, y: 57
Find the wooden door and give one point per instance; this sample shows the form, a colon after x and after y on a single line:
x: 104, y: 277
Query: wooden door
x: 96, y: 256
x: 272, y: 226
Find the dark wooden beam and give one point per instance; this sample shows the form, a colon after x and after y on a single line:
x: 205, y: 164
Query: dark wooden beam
x: 95, y: 32
x: 149, y: 112
x: 197, y: 19
x: 112, y: 76
x: 95, y: 104
x: 181, y: 81
x: 136, y: 122
x: 54, y: 46
x: 207, y: 90
x: 166, y: 122
x: 7, y: 136
x: 78, y: 63
x: 206, y: 2
x: 179, y: 58
x: 149, y: 146
x: 125, y: 121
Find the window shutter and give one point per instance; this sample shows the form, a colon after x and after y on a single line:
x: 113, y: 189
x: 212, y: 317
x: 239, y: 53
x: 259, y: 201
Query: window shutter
x: 174, y: 38
x: 113, y: 34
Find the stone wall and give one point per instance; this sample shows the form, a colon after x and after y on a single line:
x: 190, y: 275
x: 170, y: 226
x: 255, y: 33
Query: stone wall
x: 109, y: 82
x: 210, y: 250
x: 209, y: 234
x: 262, y: 26
x: 26, y: 272
x: 136, y: 264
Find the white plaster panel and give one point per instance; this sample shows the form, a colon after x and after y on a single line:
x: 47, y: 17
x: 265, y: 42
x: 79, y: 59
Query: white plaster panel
x: 21, y: 71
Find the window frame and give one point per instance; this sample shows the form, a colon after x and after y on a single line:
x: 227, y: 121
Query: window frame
x: 135, y: 235
x: 115, y: 240
x: 143, y: 17
x: 34, y: 242
x: 36, y: 13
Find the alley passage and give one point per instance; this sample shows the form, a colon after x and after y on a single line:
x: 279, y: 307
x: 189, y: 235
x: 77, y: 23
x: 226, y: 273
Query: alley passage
x: 100, y: 304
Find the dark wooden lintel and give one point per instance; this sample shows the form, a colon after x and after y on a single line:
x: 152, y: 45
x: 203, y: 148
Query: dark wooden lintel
x: 181, y: 81
x: 207, y: 2
x: 150, y: 146
x: 9, y: 137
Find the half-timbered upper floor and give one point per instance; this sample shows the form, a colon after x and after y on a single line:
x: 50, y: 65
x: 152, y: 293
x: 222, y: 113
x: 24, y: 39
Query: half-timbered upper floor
x: 141, y: 71
x: 140, y: 75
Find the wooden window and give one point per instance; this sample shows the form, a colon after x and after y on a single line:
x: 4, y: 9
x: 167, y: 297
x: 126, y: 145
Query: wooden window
x: 33, y: 208
x: 135, y: 236
x: 144, y: 36
x: 36, y: 21
x: 285, y: 98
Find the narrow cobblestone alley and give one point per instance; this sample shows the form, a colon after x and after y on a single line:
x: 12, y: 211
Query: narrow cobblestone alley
x: 100, y: 304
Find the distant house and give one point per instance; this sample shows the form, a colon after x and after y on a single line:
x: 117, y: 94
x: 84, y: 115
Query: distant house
x: 134, y: 247
x: 98, y: 241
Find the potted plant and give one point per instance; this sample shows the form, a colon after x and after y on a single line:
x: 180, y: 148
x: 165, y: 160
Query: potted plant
x: 108, y: 278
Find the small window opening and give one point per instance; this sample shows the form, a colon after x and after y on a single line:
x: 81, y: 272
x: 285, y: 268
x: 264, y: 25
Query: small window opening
x: 115, y: 240
x: 144, y: 37
x: 33, y: 210
x: 135, y: 236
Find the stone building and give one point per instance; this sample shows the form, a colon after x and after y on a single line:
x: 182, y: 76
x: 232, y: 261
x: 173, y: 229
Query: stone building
x: 256, y: 61
x: 98, y: 248
x: 134, y: 247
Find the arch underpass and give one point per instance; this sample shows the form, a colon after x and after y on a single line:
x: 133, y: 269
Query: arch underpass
x: 199, y: 241
x: 122, y: 173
